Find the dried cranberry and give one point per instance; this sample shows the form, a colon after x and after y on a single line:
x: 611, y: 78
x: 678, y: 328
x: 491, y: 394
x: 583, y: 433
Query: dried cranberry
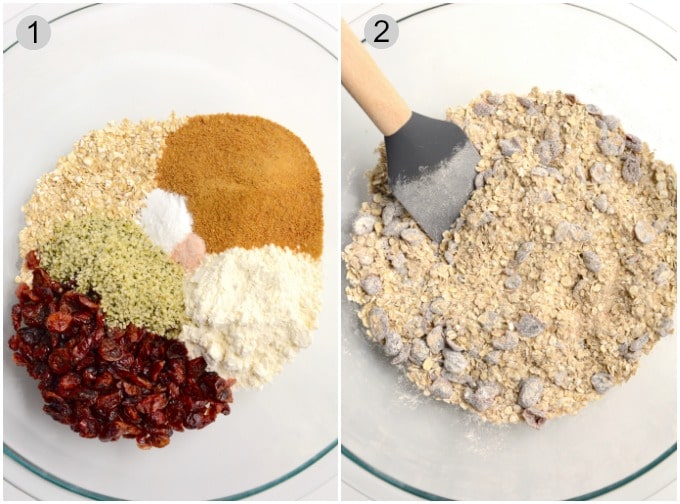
x: 158, y: 417
x: 107, y: 382
x: 69, y: 302
x: 31, y: 335
x: 177, y: 370
x: 16, y: 317
x: 140, y: 381
x: 58, y: 322
x: 88, y: 303
x: 110, y: 350
x: 58, y: 409
x: 159, y: 440
x: 176, y: 349
x: 108, y: 402
x: 133, y: 333
x: 196, y: 367
x: 68, y: 384
x: 86, y: 426
x: 100, y: 331
x: 81, y: 349
x: 41, y: 351
x: 43, y: 285
x: 155, y: 370
x: 20, y: 360
x: 125, y: 362
x: 14, y: 342
x: 60, y: 361
x: 89, y: 376
x: 152, y: 440
x: 175, y: 414
x: 104, y: 381
x: 197, y: 420
x: 110, y: 432
x: 32, y: 260
x: 40, y: 371
x: 23, y: 293
x: 82, y: 317
x: 151, y: 403
x: 85, y: 396
x: 173, y: 390
x: 131, y: 414
x: 33, y: 314
x: 131, y: 389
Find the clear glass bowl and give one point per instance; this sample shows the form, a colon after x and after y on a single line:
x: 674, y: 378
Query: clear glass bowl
x: 107, y: 62
x: 445, y: 56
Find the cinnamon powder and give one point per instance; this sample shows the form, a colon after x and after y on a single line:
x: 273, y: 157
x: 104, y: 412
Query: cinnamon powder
x: 249, y: 182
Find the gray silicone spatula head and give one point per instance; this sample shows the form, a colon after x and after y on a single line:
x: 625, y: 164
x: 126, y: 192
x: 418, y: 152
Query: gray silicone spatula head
x: 430, y: 163
x: 431, y: 167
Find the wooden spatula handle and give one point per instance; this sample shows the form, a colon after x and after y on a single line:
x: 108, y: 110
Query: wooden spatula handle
x: 362, y: 78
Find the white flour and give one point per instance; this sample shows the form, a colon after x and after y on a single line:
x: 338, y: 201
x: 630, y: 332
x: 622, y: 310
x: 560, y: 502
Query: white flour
x: 251, y: 311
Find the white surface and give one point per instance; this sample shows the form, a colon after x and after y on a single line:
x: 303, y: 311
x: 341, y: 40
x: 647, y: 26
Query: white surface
x: 200, y: 59
x: 498, y: 48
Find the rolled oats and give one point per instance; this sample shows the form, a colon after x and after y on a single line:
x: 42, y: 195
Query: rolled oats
x: 364, y: 224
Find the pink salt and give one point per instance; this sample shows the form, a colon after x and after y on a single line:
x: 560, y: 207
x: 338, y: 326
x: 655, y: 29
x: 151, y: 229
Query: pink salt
x: 189, y: 252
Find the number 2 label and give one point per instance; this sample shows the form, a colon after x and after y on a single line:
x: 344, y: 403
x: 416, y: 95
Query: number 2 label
x: 381, y: 31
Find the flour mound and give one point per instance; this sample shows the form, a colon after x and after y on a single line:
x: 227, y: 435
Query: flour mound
x: 251, y: 311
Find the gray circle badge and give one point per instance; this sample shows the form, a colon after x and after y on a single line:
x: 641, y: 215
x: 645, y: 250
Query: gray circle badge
x: 381, y: 31
x: 33, y: 32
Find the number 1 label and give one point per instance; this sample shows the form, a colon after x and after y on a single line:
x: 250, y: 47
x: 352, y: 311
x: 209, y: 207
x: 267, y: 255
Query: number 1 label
x: 33, y: 32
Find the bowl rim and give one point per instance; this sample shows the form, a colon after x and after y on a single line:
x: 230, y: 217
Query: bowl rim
x: 91, y: 494
x: 423, y: 494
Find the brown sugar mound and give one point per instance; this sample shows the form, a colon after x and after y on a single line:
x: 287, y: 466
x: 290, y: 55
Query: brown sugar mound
x: 249, y: 182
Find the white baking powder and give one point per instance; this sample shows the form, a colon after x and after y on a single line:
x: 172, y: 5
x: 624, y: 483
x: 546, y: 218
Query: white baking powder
x: 251, y: 311
x: 165, y: 218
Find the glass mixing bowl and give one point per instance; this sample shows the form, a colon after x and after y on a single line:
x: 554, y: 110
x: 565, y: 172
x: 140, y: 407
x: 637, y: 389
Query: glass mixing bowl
x: 107, y: 62
x: 446, y: 56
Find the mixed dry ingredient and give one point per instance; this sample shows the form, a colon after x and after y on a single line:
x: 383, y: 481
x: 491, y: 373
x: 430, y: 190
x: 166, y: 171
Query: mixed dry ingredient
x: 155, y: 247
x: 558, y: 276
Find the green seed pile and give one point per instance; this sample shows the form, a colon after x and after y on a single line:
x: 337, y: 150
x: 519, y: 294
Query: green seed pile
x: 137, y: 282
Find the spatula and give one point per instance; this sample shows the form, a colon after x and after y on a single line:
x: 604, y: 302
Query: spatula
x: 430, y: 163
